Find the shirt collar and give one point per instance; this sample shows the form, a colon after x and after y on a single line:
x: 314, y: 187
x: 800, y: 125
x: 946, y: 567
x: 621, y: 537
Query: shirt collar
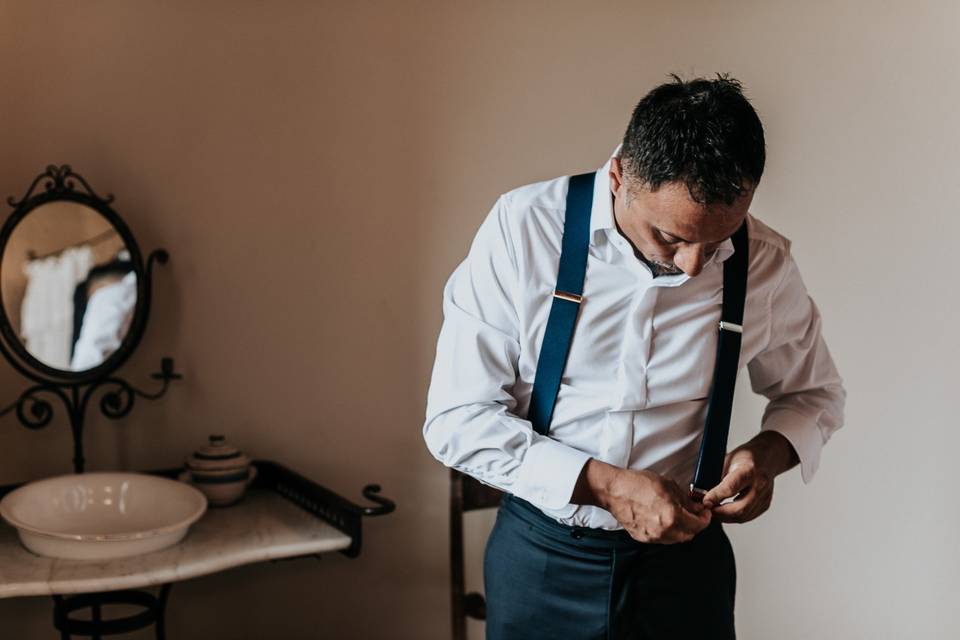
x: 601, y: 214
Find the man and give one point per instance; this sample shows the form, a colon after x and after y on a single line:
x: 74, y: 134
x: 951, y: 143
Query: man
x: 596, y: 538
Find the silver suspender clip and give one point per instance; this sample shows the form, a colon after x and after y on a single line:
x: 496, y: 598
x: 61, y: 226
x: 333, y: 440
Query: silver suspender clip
x: 569, y: 297
x: 730, y: 326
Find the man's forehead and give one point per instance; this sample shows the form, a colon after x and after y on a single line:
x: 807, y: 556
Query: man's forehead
x: 671, y: 209
x: 700, y: 227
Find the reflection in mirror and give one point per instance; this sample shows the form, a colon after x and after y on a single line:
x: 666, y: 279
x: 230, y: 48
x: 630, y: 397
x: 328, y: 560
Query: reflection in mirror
x: 68, y: 288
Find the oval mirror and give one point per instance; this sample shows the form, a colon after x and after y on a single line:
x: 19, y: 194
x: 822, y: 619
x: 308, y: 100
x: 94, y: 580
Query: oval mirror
x: 69, y: 285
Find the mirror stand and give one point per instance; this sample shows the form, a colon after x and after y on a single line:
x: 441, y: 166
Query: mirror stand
x: 35, y: 412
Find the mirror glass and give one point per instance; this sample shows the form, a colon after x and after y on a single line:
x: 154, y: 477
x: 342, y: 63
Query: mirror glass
x: 68, y: 286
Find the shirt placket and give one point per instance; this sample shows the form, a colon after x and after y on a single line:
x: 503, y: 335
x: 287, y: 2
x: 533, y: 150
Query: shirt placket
x: 633, y: 365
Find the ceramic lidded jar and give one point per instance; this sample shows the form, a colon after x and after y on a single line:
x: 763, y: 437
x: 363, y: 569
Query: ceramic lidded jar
x: 220, y: 471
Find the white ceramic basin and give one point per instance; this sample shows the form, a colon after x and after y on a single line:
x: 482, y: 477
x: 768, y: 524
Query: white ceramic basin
x: 95, y: 516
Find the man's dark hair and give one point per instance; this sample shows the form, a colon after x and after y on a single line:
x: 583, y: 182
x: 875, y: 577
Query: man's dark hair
x: 703, y: 133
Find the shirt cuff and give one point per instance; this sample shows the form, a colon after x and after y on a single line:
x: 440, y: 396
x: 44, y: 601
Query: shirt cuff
x: 803, y: 433
x: 549, y: 473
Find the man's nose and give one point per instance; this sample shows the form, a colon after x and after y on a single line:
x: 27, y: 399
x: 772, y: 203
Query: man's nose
x: 690, y: 259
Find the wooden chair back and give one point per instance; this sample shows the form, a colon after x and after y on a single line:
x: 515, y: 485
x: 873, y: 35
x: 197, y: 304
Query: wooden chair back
x: 466, y: 494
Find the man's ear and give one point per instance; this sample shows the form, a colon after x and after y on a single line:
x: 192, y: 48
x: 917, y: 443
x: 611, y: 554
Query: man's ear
x: 616, y: 175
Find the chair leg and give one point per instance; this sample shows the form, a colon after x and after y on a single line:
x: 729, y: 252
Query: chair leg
x: 458, y: 617
x: 474, y: 606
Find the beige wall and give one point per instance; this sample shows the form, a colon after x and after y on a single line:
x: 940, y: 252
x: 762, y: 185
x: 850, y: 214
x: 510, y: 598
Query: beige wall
x: 316, y: 171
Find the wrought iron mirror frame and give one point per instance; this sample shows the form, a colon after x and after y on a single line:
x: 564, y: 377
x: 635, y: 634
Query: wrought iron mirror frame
x: 61, y: 183
x: 62, y: 186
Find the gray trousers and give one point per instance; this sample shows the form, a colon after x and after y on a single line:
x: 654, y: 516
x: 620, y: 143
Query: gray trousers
x: 547, y: 580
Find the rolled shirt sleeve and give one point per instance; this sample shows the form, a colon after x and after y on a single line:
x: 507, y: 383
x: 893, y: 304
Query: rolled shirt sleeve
x: 470, y: 421
x: 797, y: 374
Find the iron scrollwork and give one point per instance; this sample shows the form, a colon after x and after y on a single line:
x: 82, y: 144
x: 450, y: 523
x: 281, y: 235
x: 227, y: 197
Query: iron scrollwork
x: 39, y: 412
x: 325, y: 504
x: 59, y: 180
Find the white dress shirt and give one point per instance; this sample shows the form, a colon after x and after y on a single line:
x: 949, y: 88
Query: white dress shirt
x: 635, y: 387
x: 105, y: 322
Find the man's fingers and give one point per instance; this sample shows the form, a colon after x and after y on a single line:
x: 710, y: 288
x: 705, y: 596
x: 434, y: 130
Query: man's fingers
x: 691, y: 517
x: 736, y: 479
x: 733, y: 511
x: 677, y: 534
x: 690, y: 522
x: 685, y: 501
x: 740, y: 510
x: 674, y: 524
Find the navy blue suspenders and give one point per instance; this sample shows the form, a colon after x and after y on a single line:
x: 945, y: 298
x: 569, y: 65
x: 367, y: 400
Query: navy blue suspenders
x: 566, y: 302
x: 567, y: 298
x: 713, y: 446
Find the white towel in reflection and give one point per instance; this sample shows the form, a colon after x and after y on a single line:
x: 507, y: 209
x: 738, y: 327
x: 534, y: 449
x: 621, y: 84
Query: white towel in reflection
x: 105, y: 322
x: 46, y: 316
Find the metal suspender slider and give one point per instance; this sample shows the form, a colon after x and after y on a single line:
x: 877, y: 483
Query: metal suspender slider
x: 731, y: 326
x: 570, y: 297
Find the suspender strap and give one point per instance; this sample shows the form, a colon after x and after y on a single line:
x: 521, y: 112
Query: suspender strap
x: 566, y: 302
x: 713, y: 446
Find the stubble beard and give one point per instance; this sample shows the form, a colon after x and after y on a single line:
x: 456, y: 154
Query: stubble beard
x: 664, y: 268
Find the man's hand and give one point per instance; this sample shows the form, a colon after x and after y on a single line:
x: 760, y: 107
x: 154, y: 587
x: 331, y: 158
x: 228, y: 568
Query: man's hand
x: 749, y: 471
x: 650, y: 507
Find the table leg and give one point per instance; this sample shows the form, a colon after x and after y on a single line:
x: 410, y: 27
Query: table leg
x: 57, y: 613
x: 153, y: 610
x: 162, y: 611
x: 96, y: 619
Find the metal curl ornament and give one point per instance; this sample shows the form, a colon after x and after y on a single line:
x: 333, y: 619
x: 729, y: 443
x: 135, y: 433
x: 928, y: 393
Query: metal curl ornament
x: 114, y: 403
x: 40, y: 412
x: 58, y: 180
x: 372, y: 493
x: 158, y: 256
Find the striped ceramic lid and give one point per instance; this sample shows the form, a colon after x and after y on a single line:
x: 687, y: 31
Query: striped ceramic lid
x: 218, y: 455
